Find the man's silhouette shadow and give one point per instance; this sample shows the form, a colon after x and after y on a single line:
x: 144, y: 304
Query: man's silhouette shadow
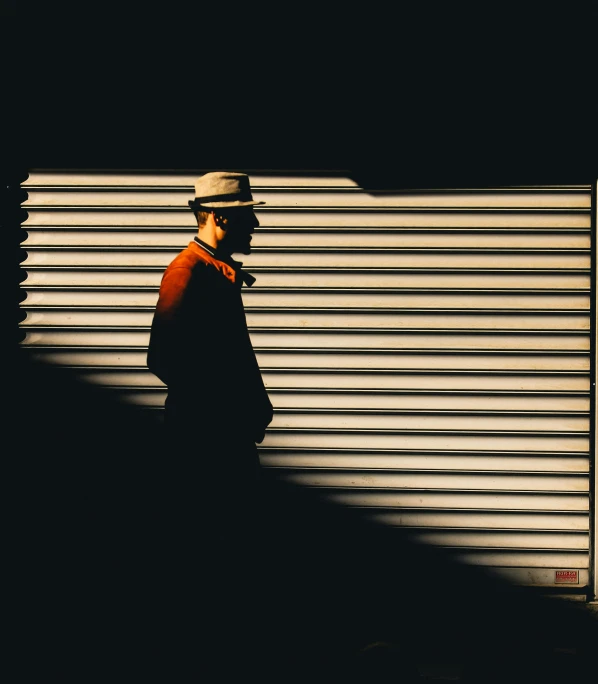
x: 121, y: 579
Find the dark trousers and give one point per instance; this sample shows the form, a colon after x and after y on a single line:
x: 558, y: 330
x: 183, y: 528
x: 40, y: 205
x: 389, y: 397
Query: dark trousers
x: 207, y: 550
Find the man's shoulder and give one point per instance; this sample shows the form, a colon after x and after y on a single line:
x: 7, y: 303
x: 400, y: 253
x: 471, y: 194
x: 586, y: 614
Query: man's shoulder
x: 189, y: 268
x: 188, y: 260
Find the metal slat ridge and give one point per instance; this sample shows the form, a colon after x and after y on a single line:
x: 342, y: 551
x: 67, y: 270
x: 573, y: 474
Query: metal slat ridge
x: 316, y: 230
x: 314, y: 330
x: 315, y: 208
x: 437, y: 490
x: 324, y: 290
x: 357, y: 270
x: 358, y: 371
x: 399, y: 310
x: 321, y: 249
x: 324, y: 187
x: 429, y: 431
x: 338, y: 350
x: 398, y: 451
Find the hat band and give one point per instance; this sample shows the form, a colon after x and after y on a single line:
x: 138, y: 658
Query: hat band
x: 231, y: 197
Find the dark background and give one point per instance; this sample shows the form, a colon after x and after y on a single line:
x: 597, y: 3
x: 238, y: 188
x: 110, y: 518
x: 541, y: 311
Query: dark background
x: 425, y: 95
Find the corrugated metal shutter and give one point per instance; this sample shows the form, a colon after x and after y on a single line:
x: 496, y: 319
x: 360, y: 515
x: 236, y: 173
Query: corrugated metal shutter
x: 427, y: 353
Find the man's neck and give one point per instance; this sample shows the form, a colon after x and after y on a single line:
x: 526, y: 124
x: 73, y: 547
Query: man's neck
x: 205, y: 245
x: 216, y: 252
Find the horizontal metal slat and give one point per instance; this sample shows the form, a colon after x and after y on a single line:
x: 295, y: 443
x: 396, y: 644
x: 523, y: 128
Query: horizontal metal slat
x: 398, y: 359
x: 154, y: 398
x: 372, y: 460
x: 433, y: 381
x: 525, y: 541
x: 288, y: 238
x: 337, y: 178
x: 309, y: 318
x: 430, y: 441
x: 406, y: 340
x: 311, y: 205
x: 364, y: 311
x: 307, y: 359
x: 534, y: 577
x: 295, y: 419
x: 389, y: 386
x: 542, y: 259
x: 128, y: 276
x: 470, y: 501
x: 534, y: 559
x: 504, y: 520
x: 292, y: 401
x: 256, y: 299
x: 181, y: 217
x: 320, y: 197
x: 430, y: 480
x: 85, y: 178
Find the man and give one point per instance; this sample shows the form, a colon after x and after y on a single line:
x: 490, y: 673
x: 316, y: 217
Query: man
x: 217, y: 407
x: 208, y: 499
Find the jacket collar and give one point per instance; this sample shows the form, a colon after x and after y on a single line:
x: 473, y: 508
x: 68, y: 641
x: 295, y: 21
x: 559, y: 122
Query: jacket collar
x: 230, y: 268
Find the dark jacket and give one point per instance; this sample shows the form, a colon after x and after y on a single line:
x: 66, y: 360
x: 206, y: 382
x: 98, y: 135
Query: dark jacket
x: 200, y: 348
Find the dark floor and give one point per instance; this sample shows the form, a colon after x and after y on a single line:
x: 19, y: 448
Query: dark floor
x: 118, y: 579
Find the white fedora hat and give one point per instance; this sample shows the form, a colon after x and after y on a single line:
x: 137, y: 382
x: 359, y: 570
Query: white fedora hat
x: 221, y: 189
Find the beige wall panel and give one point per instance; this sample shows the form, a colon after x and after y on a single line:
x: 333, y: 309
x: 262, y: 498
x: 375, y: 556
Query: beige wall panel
x: 439, y: 381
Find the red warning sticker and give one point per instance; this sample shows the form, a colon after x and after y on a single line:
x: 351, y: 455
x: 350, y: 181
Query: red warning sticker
x: 566, y: 576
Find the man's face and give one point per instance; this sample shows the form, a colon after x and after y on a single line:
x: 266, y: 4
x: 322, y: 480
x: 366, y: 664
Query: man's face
x: 239, y: 224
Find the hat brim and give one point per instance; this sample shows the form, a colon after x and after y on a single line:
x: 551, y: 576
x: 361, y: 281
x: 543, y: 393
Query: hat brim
x: 198, y: 204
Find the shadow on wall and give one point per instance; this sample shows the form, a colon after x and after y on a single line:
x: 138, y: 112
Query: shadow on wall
x: 121, y: 579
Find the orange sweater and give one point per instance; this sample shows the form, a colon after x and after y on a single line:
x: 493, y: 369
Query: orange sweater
x: 199, y: 343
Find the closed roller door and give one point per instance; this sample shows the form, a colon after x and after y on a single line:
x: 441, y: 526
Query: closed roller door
x: 427, y: 354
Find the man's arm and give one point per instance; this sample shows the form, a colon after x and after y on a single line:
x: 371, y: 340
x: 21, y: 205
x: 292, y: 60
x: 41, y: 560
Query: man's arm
x: 165, y: 357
